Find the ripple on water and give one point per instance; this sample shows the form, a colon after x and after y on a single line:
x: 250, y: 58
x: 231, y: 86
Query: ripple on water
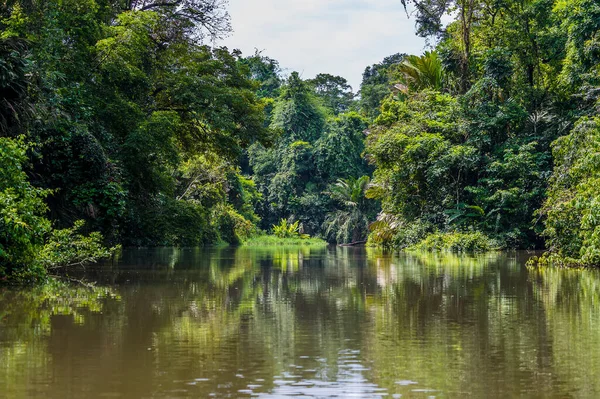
x: 347, y: 381
x: 406, y: 382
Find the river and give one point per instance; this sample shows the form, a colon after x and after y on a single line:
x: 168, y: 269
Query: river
x: 304, y: 322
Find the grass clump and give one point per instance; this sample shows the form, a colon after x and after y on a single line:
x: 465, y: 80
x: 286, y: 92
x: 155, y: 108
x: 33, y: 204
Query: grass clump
x: 269, y: 240
x: 285, y: 233
x: 455, y: 242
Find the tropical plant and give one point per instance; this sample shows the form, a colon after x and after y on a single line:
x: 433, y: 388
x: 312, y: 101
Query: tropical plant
x: 29, y: 246
x: 349, y: 223
x: 455, y: 242
x: 286, y: 229
x: 421, y: 72
x: 392, y: 231
x: 572, y: 210
x: 67, y: 248
x: 376, y: 83
x: 464, y: 215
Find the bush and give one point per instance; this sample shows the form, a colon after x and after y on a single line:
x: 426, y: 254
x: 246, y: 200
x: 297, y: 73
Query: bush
x: 28, y: 244
x: 68, y: 247
x: 455, y: 242
x: 272, y: 241
x: 165, y: 221
x: 572, y: 209
x: 23, y: 227
x: 233, y: 228
x: 390, y: 231
x: 288, y: 230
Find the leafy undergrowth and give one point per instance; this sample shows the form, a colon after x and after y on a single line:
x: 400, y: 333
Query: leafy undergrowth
x: 285, y: 233
x: 455, y: 242
x: 549, y: 259
x: 269, y: 240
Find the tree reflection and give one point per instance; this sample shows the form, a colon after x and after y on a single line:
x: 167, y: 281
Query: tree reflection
x: 30, y: 317
x: 188, y: 320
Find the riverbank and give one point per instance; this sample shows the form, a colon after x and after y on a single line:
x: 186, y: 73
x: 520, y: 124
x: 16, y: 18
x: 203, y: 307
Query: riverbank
x: 269, y: 240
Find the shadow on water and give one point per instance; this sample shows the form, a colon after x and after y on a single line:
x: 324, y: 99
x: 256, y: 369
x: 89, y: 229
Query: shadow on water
x: 312, y: 322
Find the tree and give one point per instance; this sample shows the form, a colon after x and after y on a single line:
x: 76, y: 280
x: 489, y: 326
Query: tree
x: 124, y: 93
x: 421, y: 72
x: 14, y: 84
x: 429, y: 16
x: 297, y: 113
x: 338, y: 152
x: 29, y: 246
x: 376, y: 84
x: 200, y: 18
x: 572, y: 209
x: 350, y: 221
x: 266, y: 71
x: 286, y: 173
x: 334, y: 91
x: 312, y: 151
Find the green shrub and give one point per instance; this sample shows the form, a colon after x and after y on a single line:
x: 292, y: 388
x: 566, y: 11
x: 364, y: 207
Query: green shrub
x: 288, y: 230
x: 272, y: 241
x: 390, y: 231
x: 455, y: 242
x: 68, y: 247
x: 572, y: 209
x: 166, y: 221
x: 28, y: 244
x: 23, y: 226
x: 233, y: 228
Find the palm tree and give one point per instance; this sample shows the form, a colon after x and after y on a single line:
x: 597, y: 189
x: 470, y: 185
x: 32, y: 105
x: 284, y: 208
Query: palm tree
x: 349, y: 223
x: 422, y: 72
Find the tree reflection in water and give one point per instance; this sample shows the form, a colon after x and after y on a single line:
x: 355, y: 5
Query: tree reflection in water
x: 305, y: 321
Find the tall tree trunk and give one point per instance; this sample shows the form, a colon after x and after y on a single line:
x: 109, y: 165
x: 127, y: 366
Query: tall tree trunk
x: 466, y: 20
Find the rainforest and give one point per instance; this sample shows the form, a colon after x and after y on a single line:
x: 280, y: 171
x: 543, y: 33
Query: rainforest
x: 123, y: 123
x: 183, y: 219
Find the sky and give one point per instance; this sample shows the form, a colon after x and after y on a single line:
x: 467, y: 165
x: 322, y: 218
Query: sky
x: 339, y: 37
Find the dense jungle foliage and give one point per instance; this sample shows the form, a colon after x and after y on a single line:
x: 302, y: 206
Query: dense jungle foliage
x: 123, y: 122
x: 494, y: 131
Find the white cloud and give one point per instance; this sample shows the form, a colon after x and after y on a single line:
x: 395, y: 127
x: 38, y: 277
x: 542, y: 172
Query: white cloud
x: 340, y: 37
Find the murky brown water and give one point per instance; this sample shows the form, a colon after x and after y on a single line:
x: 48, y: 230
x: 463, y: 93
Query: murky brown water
x: 290, y: 322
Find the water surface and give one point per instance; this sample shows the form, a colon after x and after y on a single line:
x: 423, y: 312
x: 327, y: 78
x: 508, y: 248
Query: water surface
x: 304, y: 322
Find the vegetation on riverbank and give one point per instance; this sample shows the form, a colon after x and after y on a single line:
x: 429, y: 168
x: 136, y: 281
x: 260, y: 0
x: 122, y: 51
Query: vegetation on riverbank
x: 29, y: 244
x: 285, y: 233
x: 153, y: 138
x: 270, y: 240
x: 455, y: 242
x: 495, y: 131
